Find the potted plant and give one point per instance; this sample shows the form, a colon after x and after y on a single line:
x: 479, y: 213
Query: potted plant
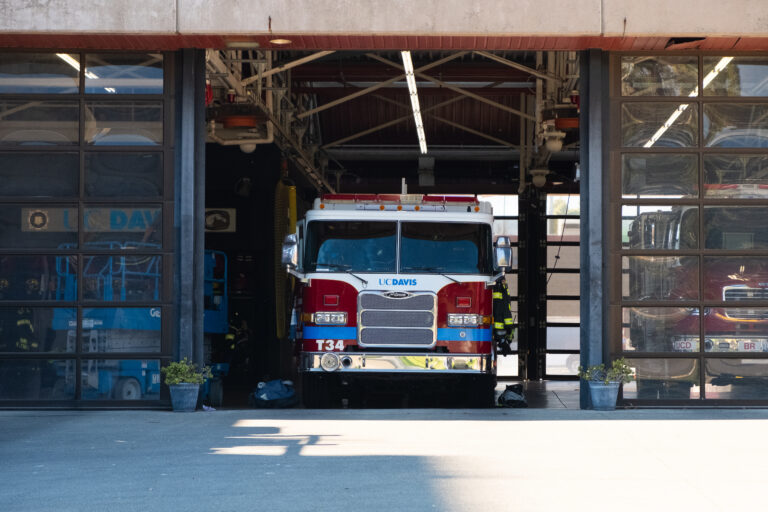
x: 184, y: 379
x: 604, y: 383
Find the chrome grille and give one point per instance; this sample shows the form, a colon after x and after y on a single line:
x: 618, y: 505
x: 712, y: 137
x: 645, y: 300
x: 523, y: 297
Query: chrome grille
x: 396, y: 321
x: 744, y: 293
x: 747, y: 314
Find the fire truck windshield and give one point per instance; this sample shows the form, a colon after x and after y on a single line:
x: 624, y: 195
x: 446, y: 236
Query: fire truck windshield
x: 451, y: 248
x: 350, y: 246
x: 371, y: 246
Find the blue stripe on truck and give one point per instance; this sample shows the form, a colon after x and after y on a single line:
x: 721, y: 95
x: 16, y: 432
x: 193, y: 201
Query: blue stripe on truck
x: 327, y: 333
x: 455, y: 334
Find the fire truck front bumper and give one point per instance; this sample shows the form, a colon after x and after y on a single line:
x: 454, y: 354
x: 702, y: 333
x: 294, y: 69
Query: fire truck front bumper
x: 411, y: 363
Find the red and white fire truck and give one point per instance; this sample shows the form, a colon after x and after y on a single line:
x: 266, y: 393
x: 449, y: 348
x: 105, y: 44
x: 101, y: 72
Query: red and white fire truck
x: 395, y: 288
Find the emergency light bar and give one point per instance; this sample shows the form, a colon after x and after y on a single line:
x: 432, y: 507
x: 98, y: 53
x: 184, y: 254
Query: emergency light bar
x: 401, y: 202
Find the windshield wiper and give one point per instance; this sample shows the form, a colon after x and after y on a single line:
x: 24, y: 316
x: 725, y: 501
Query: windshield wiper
x: 437, y: 270
x: 342, y: 268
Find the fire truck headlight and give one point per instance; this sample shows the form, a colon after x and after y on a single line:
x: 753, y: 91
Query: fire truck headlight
x: 329, y: 362
x: 330, y: 317
x: 462, y: 320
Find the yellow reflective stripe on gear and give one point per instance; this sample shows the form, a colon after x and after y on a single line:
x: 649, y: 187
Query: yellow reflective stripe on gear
x: 229, y: 336
x: 508, y: 321
x: 24, y: 321
x: 496, y: 295
x: 498, y: 325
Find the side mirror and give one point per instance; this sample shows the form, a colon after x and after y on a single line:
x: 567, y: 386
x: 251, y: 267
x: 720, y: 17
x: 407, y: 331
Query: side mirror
x: 291, y: 252
x: 503, y: 252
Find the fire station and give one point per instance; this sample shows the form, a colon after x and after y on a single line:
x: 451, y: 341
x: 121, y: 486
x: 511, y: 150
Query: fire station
x: 155, y: 155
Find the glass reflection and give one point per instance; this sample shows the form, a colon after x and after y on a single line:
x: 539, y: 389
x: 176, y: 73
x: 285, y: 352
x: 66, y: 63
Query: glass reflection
x: 650, y: 75
x: 728, y: 278
x: 33, y: 329
x: 660, y: 227
x: 562, y: 364
x: 742, y: 76
x: 659, y: 125
x: 660, y: 329
x: 735, y: 227
x: 32, y: 278
x: 122, y: 278
x: 138, y: 123
x: 120, y: 379
x: 736, y: 379
x: 39, y: 73
x: 39, y: 175
x: 124, y: 73
x: 648, y: 176
x: 121, y: 329
x: 37, y: 379
x: 743, y: 125
x: 736, y: 329
x: 736, y: 176
x: 123, y: 227
x: 31, y: 227
x: 29, y: 123
x: 663, y: 379
x: 661, y: 278
x: 109, y: 174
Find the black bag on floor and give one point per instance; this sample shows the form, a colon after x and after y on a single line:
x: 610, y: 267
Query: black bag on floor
x: 513, y: 396
x: 274, y: 394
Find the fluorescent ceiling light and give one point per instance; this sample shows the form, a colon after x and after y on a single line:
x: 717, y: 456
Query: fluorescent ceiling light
x: 411, y: 79
x: 683, y: 106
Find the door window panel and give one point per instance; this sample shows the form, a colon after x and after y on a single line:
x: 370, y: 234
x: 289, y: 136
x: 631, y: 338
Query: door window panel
x: 123, y: 227
x: 736, y: 379
x: 37, y: 379
x: 732, y: 278
x: 649, y: 176
x: 39, y: 73
x: 736, y: 176
x: 663, y: 379
x: 661, y: 278
x: 39, y: 174
x: 121, y: 329
x: 37, y: 227
x: 138, y: 123
x: 651, y: 75
x: 110, y: 174
x: 120, y: 379
x: 660, y: 227
x: 743, y: 125
x: 734, y: 330
x: 659, y: 125
x: 736, y: 76
x: 124, y: 73
x: 36, y: 329
x: 660, y: 329
x: 35, y: 123
x: 122, y: 278
x: 39, y: 277
x: 736, y: 227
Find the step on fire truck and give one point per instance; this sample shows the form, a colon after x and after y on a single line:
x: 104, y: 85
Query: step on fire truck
x: 395, y: 288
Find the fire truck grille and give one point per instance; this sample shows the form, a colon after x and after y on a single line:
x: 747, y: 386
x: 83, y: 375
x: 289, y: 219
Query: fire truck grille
x: 398, y: 320
x: 424, y: 302
x: 744, y: 293
x: 388, y: 336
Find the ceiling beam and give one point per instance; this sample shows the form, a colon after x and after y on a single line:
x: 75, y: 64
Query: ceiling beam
x: 375, y: 87
x: 455, y: 89
x: 521, y: 67
x: 287, y: 66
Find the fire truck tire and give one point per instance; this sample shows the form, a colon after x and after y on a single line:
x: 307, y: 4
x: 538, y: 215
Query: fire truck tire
x: 316, y: 392
x: 128, y: 389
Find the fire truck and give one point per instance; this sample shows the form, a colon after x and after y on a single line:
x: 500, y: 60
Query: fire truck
x: 392, y: 289
x: 734, y: 325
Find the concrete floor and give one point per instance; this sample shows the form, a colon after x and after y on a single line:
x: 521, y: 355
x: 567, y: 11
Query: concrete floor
x: 290, y: 460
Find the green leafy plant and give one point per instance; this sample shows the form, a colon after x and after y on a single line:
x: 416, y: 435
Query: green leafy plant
x: 185, y: 371
x: 618, y: 372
